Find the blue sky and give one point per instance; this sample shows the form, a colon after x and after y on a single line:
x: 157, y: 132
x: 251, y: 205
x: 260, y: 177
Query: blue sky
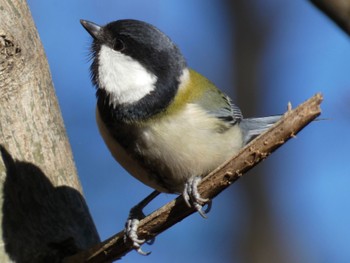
x: 309, y: 178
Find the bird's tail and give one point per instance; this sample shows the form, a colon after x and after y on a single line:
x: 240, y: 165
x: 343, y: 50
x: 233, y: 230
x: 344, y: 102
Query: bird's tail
x: 252, y: 127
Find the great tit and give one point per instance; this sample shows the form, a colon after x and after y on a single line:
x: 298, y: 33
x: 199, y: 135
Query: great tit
x: 166, y: 124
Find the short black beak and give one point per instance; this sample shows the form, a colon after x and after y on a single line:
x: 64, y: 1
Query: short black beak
x: 93, y: 29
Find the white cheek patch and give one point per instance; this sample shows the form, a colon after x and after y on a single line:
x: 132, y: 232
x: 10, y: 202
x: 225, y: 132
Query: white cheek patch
x: 184, y: 78
x: 125, y: 79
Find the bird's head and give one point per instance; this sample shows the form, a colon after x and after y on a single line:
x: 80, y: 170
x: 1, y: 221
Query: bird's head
x: 135, y: 65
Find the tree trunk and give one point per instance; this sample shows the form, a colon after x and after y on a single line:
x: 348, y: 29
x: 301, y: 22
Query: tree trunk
x: 44, y: 215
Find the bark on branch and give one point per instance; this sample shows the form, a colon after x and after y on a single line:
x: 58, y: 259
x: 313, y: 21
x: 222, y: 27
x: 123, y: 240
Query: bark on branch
x: 175, y: 211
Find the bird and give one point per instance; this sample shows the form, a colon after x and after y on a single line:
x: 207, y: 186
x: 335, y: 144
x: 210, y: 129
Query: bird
x: 165, y: 123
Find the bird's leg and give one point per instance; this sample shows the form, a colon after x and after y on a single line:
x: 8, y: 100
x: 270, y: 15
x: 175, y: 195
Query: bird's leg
x: 132, y: 224
x: 193, y: 198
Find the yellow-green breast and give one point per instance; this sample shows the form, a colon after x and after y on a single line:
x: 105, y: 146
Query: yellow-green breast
x: 190, y: 91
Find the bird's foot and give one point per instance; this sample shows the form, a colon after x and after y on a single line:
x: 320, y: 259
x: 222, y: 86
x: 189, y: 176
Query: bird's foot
x: 193, y: 198
x: 135, y: 216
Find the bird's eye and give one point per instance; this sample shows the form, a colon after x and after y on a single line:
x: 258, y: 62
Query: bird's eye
x: 119, y: 45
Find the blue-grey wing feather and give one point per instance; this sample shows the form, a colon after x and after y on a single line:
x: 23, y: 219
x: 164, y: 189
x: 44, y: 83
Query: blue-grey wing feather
x: 219, y: 105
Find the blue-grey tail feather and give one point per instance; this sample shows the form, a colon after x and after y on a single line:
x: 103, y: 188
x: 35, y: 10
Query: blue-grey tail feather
x: 252, y: 127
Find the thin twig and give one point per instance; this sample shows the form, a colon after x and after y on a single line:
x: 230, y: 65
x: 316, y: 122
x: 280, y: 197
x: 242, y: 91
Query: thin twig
x: 173, y: 212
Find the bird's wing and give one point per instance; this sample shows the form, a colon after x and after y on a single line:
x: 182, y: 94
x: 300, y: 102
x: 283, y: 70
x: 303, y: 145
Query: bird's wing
x: 217, y: 103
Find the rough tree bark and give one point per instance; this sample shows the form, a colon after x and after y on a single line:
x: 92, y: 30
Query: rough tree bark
x: 44, y: 215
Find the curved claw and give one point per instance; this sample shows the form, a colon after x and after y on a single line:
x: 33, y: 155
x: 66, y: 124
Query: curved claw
x: 132, y: 224
x: 143, y: 253
x: 131, y: 234
x: 193, y: 198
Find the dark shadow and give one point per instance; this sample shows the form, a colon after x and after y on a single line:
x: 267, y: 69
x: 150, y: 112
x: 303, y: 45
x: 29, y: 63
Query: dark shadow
x: 42, y: 223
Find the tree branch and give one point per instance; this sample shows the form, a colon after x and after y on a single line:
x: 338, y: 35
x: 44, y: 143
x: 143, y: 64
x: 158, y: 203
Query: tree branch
x: 337, y: 10
x: 213, y: 184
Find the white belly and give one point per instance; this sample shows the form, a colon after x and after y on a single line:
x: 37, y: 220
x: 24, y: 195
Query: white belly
x: 185, y: 145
